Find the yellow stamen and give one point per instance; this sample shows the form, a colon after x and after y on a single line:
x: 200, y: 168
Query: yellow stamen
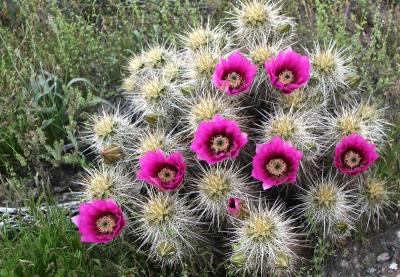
x: 220, y: 144
x: 106, y: 224
x: 352, y: 159
x: 286, y: 77
x: 235, y: 80
x: 167, y: 174
x: 277, y: 167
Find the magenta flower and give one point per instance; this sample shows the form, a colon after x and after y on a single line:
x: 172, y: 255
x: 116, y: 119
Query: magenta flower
x: 354, y: 155
x: 235, y: 74
x: 164, y: 172
x: 99, y: 221
x: 218, y: 140
x: 234, y: 206
x: 288, y: 70
x: 276, y: 163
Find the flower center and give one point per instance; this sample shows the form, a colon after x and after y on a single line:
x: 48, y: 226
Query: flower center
x: 276, y: 167
x: 286, y: 77
x: 105, y: 224
x: 352, y: 159
x: 235, y: 80
x: 167, y: 174
x: 220, y: 143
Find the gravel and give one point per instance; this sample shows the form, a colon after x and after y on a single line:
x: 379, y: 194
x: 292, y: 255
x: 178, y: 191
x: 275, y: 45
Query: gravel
x: 383, y: 257
x: 377, y: 255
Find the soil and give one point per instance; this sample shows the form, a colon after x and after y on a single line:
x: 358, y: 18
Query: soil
x: 375, y: 255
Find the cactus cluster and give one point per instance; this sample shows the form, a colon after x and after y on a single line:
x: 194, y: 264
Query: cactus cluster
x: 236, y: 141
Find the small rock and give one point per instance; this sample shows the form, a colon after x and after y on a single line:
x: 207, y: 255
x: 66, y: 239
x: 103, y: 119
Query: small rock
x: 371, y: 270
x: 393, y: 266
x: 398, y: 234
x: 344, y: 264
x: 67, y: 197
x: 356, y: 263
x: 383, y: 257
x: 59, y: 189
x: 75, y: 186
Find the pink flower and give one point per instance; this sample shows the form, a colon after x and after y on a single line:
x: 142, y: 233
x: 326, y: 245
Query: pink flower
x: 276, y: 163
x: 288, y: 71
x: 99, y: 221
x: 234, y: 206
x: 237, y: 208
x: 218, y: 140
x: 235, y: 74
x: 164, y: 172
x: 354, y: 155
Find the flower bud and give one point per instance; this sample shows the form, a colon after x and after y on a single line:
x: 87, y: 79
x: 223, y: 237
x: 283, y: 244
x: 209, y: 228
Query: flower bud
x: 238, y: 259
x: 166, y: 249
x: 112, y: 154
x: 282, y: 261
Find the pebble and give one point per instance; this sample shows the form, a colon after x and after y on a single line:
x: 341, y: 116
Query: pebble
x: 356, y: 263
x: 383, y: 257
x: 58, y: 189
x: 371, y: 270
x: 398, y: 234
x: 393, y: 266
x: 344, y: 264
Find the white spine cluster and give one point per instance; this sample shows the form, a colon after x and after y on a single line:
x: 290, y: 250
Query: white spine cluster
x: 204, y: 107
x: 264, y: 242
x: 328, y: 207
x: 155, y: 97
x: 151, y: 139
x: 199, y: 68
x: 255, y: 17
x: 330, y: 67
x: 109, y: 135
x: 259, y: 51
x: 361, y: 118
x: 213, y: 186
x: 374, y: 199
x: 205, y: 37
x: 109, y: 182
x: 164, y: 217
